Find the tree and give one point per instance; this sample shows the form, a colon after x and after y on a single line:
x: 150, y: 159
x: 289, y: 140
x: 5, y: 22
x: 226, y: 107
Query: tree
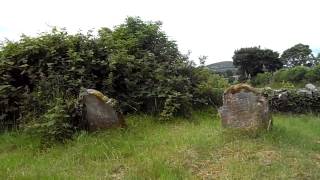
x: 298, y: 55
x: 318, y: 58
x: 254, y: 60
x: 202, y: 60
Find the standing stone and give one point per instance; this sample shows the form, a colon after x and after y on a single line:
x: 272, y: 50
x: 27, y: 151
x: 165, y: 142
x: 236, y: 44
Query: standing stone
x: 245, y: 108
x: 98, y: 112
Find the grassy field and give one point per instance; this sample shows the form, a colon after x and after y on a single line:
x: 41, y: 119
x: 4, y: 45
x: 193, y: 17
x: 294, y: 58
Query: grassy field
x: 195, y: 149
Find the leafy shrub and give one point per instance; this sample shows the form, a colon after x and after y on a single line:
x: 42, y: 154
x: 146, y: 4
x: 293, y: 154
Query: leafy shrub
x: 135, y: 63
x: 313, y: 75
x: 281, y: 75
x: 11, y: 102
x: 297, y: 74
x: 52, y: 114
x: 287, y: 85
x: 55, y: 125
x: 26, y: 63
x: 262, y: 79
x: 210, y: 89
x: 294, y: 75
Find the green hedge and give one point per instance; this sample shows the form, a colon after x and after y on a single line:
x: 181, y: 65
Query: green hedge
x: 296, y: 75
x: 135, y: 63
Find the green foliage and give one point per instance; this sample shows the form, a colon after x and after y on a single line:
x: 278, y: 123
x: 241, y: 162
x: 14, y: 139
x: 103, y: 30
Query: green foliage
x: 171, y: 106
x: 11, y: 99
x: 254, y: 60
x: 228, y: 74
x: 135, y: 63
x: 281, y: 75
x: 313, y: 75
x: 262, y: 79
x: 52, y: 114
x: 210, y: 89
x: 55, y: 125
x: 287, y: 85
x: 298, y: 55
x: 298, y: 75
x: 202, y: 60
x: 51, y: 57
x: 294, y: 75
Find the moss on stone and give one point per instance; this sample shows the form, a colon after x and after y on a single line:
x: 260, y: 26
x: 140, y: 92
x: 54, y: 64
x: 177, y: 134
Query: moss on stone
x: 240, y: 87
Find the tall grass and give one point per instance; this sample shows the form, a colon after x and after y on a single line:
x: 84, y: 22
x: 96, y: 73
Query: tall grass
x: 149, y: 149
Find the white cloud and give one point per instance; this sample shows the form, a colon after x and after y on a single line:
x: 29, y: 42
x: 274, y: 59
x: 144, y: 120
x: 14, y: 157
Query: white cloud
x: 206, y: 27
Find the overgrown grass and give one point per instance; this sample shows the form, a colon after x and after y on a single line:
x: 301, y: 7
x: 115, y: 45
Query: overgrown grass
x: 181, y: 149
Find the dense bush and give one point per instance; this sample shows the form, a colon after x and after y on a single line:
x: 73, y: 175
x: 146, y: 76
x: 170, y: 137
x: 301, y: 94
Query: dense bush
x: 210, y: 88
x: 262, y: 79
x: 280, y: 76
x: 313, y: 75
x: 295, y: 75
x: 135, y: 63
x: 56, y: 124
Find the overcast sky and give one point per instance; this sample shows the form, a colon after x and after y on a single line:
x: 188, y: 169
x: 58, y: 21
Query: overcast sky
x: 206, y: 27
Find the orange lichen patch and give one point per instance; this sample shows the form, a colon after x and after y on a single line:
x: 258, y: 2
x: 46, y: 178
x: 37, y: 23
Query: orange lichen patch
x: 98, y: 94
x: 240, y: 87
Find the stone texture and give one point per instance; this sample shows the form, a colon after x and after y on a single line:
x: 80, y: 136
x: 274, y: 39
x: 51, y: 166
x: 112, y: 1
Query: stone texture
x: 304, y: 92
x: 98, y: 112
x: 244, y: 108
x: 311, y: 87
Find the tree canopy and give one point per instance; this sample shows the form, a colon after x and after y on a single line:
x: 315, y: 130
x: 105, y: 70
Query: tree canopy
x: 254, y: 60
x: 298, y: 55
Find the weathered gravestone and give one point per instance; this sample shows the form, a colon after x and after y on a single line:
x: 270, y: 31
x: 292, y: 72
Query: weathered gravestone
x: 98, y: 111
x: 245, y: 108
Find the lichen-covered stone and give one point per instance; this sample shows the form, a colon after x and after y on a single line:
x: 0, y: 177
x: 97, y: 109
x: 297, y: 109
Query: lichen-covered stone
x: 99, y: 112
x: 244, y: 108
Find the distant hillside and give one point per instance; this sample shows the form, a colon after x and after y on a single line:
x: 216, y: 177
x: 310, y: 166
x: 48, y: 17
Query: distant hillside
x: 222, y: 66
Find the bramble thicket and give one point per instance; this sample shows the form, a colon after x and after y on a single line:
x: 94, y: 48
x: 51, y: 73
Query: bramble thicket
x: 134, y: 63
